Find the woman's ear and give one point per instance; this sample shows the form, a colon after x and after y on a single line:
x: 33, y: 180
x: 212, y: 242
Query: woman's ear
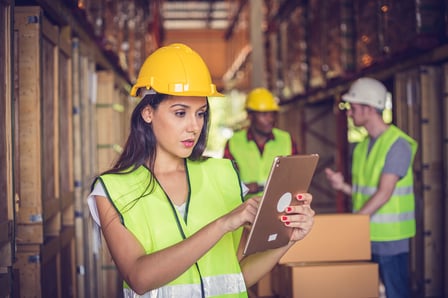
x: 147, y: 114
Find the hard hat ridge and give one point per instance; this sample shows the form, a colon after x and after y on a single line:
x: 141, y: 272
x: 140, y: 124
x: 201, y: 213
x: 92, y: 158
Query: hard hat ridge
x: 261, y: 100
x: 175, y: 69
x: 367, y: 91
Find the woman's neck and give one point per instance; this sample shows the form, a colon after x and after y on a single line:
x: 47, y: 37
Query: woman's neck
x: 169, y: 164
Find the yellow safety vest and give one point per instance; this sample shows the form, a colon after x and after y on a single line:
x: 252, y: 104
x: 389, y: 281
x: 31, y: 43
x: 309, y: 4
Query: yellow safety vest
x: 395, y: 220
x: 254, y: 167
x: 215, y: 190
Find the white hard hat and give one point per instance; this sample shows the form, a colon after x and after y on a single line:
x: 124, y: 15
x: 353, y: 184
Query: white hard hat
x: 367, y: 91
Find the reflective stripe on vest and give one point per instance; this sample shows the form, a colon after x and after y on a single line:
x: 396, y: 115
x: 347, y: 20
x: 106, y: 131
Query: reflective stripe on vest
x: 252, y: 166
x: 390, y: 218
x: 214, y: 285
x: 214, y: 190
x: 398, y: 191
x: 385, y: 218
x: 395, y: 220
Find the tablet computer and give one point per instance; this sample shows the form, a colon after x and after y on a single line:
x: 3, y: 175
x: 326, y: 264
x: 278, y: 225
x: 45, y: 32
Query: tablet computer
x: 289, y: 176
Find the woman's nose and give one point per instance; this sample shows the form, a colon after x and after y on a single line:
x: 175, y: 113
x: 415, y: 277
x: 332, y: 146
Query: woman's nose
x: 194, y: 125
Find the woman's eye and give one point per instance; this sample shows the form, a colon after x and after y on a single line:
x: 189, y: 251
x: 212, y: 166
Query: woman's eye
x: 180, y: 113
x: 202, y: 114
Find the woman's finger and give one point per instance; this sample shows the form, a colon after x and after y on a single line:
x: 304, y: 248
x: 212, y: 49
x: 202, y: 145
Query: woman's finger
x: 304, y: 198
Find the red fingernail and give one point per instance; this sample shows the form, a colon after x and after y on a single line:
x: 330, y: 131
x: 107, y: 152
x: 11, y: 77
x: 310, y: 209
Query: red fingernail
x: 299, y: 197
x: 288, y: 209
x: 287, y: 223
x: 284, y: 217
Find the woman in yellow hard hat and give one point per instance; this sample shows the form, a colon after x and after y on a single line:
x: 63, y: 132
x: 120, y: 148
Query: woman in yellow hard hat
x: 172, y: 219
x: 255, y: 147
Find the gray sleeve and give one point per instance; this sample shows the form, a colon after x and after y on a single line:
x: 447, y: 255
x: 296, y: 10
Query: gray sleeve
x: 398, y: 158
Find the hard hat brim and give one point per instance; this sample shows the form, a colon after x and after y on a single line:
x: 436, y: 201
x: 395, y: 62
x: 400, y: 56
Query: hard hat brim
x: 351, y: 99
x: 214, y: 93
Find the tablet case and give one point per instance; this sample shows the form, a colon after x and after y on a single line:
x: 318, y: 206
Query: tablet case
x: 289, y: 176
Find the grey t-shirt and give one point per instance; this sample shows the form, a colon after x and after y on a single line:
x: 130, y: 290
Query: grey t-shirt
x: 397, y: 162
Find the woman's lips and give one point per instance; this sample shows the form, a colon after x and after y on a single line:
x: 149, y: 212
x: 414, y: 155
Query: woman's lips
x: 188, y: 143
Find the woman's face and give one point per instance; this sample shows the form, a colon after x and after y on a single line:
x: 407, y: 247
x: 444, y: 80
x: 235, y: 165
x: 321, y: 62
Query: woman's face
x: 177, y: 123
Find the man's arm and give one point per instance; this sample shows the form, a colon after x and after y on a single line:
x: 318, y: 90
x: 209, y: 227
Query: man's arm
x: 337, y: 181
x: 398, y: 161
x: 382, y: 195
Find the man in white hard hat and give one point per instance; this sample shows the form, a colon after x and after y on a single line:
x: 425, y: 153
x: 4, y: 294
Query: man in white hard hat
x: 382, y: 184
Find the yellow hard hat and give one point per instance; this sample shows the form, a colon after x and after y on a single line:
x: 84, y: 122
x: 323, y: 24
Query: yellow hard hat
x: 261, y: 100
x: 175, y: 70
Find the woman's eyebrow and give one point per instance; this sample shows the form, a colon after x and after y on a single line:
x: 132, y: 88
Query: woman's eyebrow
x: 186, y: 106
x: 179, y: 104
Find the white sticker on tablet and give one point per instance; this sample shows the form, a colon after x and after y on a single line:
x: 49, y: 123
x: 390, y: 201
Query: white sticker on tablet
x: 284, y: 201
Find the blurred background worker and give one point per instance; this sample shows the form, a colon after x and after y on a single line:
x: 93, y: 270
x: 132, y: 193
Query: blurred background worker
x: 253, y: 149
x: 382, y: 184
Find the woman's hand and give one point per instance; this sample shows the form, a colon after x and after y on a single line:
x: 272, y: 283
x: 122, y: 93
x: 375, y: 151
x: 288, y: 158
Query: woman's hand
x: 299, y: 217
x: 242, y: 215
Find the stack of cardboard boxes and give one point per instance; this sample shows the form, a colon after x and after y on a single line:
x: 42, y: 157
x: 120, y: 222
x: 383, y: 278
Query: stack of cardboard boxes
x: 332, y: 261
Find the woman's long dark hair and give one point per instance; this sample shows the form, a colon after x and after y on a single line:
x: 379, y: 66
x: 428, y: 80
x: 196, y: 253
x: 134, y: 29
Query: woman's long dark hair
x: 140, y: 147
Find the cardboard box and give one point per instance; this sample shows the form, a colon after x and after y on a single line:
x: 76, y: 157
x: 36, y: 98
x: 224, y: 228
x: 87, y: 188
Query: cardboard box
x: 329, y: 280
x: 334, y: 237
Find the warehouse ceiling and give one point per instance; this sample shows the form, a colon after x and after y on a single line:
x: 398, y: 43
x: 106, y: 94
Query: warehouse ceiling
x: 196, y: 14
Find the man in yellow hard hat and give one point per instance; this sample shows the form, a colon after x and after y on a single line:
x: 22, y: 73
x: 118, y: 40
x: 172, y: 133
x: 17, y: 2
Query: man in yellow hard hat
x: 253, y: 149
